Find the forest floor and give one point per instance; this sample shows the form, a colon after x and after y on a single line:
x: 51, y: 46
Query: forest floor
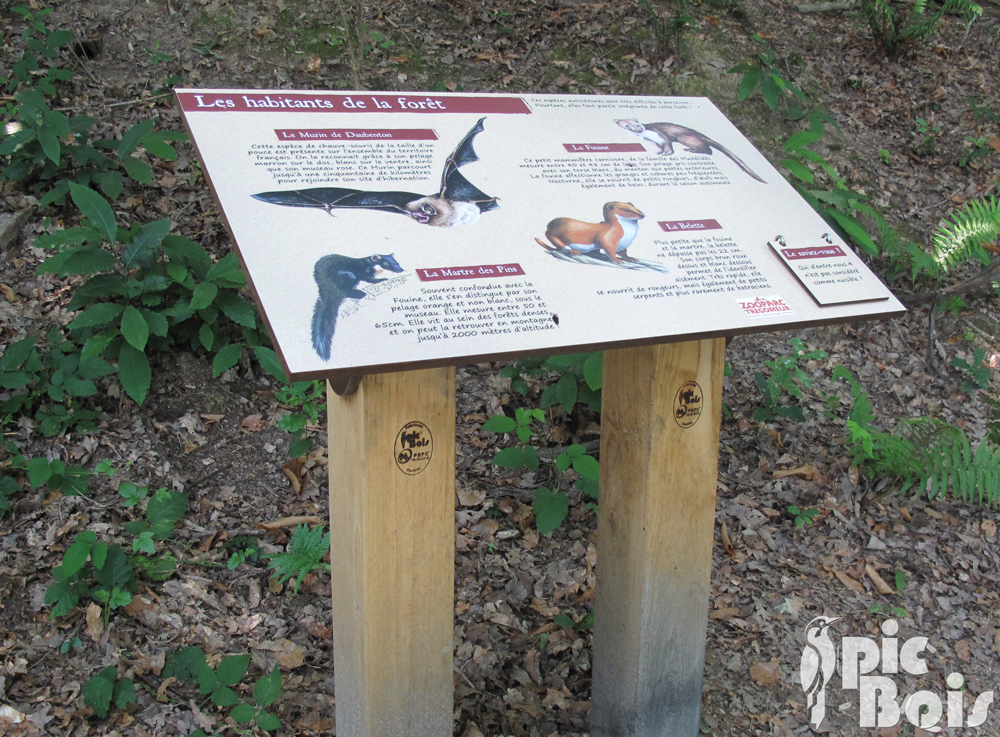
x: 906, y: 122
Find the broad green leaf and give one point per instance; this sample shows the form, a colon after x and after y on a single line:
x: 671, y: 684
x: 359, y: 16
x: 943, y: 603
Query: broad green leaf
x: 97, y: 692
x: 98, y: 314
x: 563, y: 462
x: 124, y: 693
x: 83, y: 260
x: 593, y: 371
x: 798, y: 170
x: 225, y: 696
x: 566, y: 391
x: 226, y: 358
x: 75, y: 556
x: 132, y: 137
x: 166, y: 506
x: 549, y: 397
x: 854, y: 229
x: 203, y: 295
x: 232, y: 668
x: 99, y: 554
x: 550, y: 509
x: 96, y: 344
x: 158, y: 324
x: 243, y: 714
x: 771, y: 90
x: 748, y: 83
x: 588, y: 467
x: 510, y: 458
x: 50, y: 144
x: 145, y: 242
x: 39, y: 471
x: 237, y: 309
x: 112, y: 183
x: 184, y: 664
x: 134, y: 372
x: 227, y: 272
x: 157, y: 144
x: 17, y: 353
x: 268, y: 721
x: 267, y: 689
x: 268, y: 360
x: 800, y: 139
x: 134, y: 328
x: 138, y: 170
x: 187, y: 252
x: 207, y: 680
x: 77, y: 387
x: 96, y: 209
x: 499, y: 423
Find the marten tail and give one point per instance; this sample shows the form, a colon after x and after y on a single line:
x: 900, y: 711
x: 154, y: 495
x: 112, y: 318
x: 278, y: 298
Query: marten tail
x: 738, y: 160
x: 546, y: 246
x: 324, y: 323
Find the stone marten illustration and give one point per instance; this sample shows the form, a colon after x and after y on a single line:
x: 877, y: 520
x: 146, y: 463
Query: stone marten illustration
x: 665, y: 135
x: 338, y: 277
x: 613, y: 236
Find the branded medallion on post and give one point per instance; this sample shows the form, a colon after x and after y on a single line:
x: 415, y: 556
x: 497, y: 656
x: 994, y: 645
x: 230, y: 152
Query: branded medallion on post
x: 687, y: 404
x: 413, y: 448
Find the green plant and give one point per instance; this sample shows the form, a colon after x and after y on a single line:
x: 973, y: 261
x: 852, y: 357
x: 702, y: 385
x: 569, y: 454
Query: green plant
x: 70, y: 643
x: 953, y: 304
x: 520, y: 424
x: 803, y: 517
x: 189, y: 665
x: 106, y: 688
x: 896, y: 24
x: 564, y: 620
x: 669, y: 32
x: 884, y: 155
x: 244, y: 548
x: 775, y: 86
x: 91, y: 568
x: 978, y: 373
x: 148, y: 289
x: 969, y: 235
x: 163, y: 511
x: 41, y: 42
x: 974, y: 149
x: 304, y: 553
x: 930, y: 132
x: 786, y: 377
x: 308, y: 398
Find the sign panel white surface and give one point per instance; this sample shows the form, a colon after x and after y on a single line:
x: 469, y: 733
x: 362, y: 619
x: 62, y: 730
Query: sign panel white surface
x: 385, y: 231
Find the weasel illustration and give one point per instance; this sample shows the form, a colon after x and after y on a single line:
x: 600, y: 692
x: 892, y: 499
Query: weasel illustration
x: 338, y: 278
x: 458, y: 202
x: 613, y: 236
x: 665, y: 135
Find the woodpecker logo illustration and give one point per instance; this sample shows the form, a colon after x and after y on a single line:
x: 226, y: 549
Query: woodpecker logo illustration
x: 819, y: 660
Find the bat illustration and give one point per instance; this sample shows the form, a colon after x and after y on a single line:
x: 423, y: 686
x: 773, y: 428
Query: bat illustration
x: 338, y: 278
x: 458, y: 202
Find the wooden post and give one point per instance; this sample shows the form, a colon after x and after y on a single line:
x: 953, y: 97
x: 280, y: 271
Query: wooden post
x: 392, y: 533
x: 661, y: 410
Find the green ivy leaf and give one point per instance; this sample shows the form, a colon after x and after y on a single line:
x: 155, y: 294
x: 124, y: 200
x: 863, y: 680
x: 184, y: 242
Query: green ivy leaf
x: 134, y: 372
x: 550, y: 509
x: 134, y: 328
x: 96, y: 209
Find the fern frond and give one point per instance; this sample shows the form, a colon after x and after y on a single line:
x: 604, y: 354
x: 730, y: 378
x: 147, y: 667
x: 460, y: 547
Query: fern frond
x: 967, y: 234
x: 304, y: 553
x: 943, y: 459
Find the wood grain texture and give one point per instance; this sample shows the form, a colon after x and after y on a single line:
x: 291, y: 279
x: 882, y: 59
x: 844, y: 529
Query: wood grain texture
x: 392, y: 552
x: 654, y: 539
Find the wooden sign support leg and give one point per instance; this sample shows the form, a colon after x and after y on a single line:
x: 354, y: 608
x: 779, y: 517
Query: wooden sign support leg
x: 392, y: 533
x: 661, y: 410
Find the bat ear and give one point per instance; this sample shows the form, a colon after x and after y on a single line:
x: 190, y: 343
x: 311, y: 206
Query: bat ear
x: 373, y: 258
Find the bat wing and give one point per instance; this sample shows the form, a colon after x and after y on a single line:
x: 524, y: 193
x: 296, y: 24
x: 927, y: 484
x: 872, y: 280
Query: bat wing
x: 456, y: 187
x: 330, y: 198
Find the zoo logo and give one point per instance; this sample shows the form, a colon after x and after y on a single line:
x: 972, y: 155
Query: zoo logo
x: 687, y: 404
x: 413, y: 448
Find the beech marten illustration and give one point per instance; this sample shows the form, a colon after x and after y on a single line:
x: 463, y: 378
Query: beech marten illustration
x: 338, y: 278
x: 613, y: 236
x: 665, y: 135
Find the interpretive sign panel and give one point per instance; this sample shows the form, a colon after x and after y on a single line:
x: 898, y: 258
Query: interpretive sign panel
x: 387, y: 231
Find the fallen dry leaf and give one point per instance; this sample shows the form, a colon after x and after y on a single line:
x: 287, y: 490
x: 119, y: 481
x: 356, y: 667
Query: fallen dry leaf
x: 848, y: 581
x: 469, y: 497
x: 253, y: 423
x: 291, y: 471
x: 726, y: 542
x: 288, y: 653
x: 309, y: 519
x: 807, y: 471
x: 152, y: 663
x: 880, y: 584
x: 854, y: 474
x: 161, y: 692
x: 313, y: 64
x: 766, y: 674
x: 963, y: 650
x: 95, y: 622
x: 9, y: 294
x: 995, y: 143
x: 989, y: 528
x: 724, y: 613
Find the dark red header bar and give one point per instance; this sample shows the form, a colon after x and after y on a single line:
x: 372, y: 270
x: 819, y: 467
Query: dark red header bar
x: 793, y: 254
x: 355, y: 134
x: 602, y: 148
x: 678, y: 225
x: 238, y: 101
x: 488, y: 271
